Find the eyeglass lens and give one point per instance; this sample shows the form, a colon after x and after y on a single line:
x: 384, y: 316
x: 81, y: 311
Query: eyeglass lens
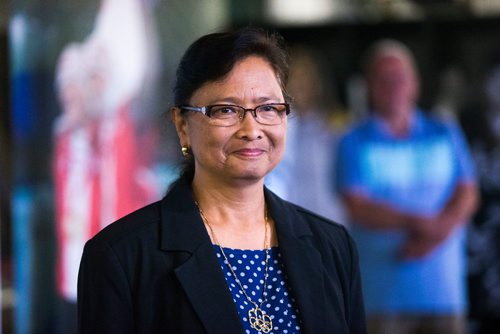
x: 269, y: 114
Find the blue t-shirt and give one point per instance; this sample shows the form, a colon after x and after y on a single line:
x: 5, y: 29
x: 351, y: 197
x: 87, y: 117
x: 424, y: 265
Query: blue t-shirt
x: 249, y: 265
x: 415, y: 174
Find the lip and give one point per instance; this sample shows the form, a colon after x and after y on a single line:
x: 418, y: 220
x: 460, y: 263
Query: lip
x: 249, y: 152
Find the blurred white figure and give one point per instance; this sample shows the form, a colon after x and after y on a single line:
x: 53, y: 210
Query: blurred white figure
x: 100, y: 159
x: 304, y: 176
x: 75, y: 167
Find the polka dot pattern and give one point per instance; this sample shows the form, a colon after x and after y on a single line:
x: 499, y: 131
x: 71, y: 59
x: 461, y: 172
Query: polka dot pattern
x: 249, y: 266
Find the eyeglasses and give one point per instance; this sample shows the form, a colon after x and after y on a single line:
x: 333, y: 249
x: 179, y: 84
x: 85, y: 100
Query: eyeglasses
x: 229, y: 114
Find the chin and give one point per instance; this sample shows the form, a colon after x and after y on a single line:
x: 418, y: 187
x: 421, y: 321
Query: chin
x: 249, y: 175
x: 252, y: 176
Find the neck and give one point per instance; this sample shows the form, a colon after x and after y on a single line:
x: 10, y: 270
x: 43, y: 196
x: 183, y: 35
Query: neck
x: 228, y: 199
x: 235, y: 213
x: 398, y: 122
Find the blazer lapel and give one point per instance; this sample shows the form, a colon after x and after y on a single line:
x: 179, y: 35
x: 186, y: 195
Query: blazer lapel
x: 302, y: 263
x: 200, y: 276
x: 206, y: 288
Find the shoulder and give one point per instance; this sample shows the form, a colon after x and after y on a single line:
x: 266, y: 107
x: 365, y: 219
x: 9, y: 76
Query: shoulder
x: 450, y: 131
x: 435, y: 124
x: 302, y: 222
x: 318, y: 221
x: 325, y: 229
x: 126, y: 250
x: 330, y: 239
x: 358, y: 128
x: 357, y: 133
x: 136, y: 225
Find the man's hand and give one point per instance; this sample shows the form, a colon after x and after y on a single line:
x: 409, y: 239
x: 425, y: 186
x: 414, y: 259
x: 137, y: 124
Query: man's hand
x: 424, y: 235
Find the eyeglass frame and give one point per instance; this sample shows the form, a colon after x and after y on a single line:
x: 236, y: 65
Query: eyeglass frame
x: 205, y: 110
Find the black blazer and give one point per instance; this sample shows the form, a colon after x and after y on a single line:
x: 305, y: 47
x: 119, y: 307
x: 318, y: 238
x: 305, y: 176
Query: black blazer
x: 155, y: 271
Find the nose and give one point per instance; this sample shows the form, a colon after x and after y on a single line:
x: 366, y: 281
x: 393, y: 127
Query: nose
x: 252, y: 112
x: 249, y: 127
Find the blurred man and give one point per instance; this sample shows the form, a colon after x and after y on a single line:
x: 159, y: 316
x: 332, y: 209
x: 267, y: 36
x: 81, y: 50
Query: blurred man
x: 409, y: 187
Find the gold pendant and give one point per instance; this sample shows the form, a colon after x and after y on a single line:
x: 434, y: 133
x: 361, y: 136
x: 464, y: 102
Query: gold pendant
x: 259, y: 320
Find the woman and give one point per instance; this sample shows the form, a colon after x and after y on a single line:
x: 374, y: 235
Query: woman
x: 221, y: 253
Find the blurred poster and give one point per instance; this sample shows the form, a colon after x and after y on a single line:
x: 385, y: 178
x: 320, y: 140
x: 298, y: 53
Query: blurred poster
x: 88, y: 111
x: 103, y: 147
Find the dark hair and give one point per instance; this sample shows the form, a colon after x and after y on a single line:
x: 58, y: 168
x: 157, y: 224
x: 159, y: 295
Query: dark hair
x: 213, y: 56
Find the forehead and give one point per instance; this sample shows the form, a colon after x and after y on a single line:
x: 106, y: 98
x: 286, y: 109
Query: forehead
x: 389, y: 59
x: 249, y: 66
x: 390, y: 63
x: 251, y: 77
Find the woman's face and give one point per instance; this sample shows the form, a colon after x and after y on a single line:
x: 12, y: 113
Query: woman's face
x: 247, y: 150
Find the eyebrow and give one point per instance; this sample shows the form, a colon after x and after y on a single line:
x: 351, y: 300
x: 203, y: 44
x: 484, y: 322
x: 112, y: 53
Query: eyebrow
x: 260, y: 100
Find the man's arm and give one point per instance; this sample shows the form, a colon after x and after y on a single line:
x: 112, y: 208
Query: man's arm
x: 425, y: 233
x: 428, y: 233
x: 373, y: 214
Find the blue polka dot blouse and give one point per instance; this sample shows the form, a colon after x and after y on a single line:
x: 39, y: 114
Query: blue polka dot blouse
x: 249, y: 265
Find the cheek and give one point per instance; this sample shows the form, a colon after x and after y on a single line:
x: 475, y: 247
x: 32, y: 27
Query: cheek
x: 278, y: 141
x: 205, y: 142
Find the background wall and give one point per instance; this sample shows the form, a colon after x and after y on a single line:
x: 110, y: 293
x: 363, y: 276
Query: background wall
x: 460, y: 34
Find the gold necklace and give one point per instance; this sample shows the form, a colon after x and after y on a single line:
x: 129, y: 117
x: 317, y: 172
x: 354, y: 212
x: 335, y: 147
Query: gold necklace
x: 257, y: 317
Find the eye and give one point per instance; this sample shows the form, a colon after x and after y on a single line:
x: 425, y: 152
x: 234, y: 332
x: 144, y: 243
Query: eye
x: 268, y: 111
x: 268, y: 108
x: 223, y: 111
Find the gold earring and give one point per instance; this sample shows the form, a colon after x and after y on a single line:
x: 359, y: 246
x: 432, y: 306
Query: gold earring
x: 185, y: 151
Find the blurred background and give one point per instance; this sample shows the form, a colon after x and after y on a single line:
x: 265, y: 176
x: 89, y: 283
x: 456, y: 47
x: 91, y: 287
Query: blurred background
x: 84, y: 91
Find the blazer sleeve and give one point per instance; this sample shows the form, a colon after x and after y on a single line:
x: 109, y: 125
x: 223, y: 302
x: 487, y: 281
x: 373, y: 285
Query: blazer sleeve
x: 104, y: 299
x: 357, y: 318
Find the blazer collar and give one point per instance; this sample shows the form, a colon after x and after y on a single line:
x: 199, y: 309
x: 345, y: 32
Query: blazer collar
x: 303, y: 263
x: 182, y: 230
